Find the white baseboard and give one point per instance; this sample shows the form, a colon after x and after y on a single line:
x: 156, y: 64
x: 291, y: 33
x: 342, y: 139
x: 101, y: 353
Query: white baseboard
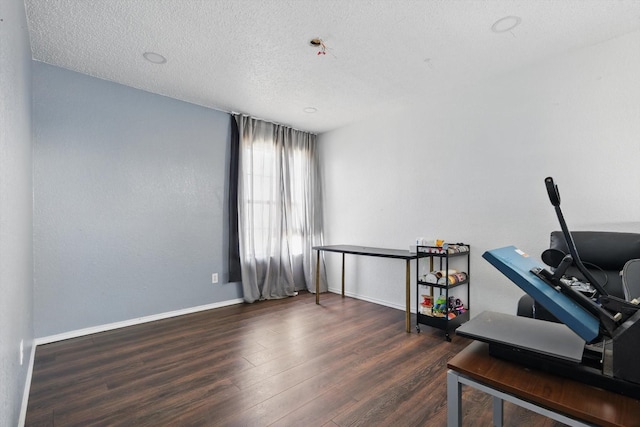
x: 139, y: 320
x: 368, y: 299
x: 27, y: 387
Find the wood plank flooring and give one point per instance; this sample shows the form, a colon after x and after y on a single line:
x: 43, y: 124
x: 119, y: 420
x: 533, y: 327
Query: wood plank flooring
x: 287, y: 362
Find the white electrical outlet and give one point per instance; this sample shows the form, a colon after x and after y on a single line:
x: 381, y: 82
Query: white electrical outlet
x: 21, y: 352
x: 214, y: 278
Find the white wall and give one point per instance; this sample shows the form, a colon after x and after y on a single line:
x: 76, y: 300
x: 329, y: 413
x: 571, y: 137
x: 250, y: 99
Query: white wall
x: 470, y: 166
x: 16, y: 248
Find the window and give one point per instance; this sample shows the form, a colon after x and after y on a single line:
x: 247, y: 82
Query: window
x: 272, y: 183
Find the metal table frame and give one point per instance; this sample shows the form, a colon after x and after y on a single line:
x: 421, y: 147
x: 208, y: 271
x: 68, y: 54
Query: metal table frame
x: 571, y: 402
x: 455, y: 381
x: 375, y: 252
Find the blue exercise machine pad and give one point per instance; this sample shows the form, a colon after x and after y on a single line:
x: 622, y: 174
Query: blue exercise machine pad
x: 516, y: 265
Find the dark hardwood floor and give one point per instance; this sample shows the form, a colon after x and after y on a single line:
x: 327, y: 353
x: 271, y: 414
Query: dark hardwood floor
x: 287, y: 362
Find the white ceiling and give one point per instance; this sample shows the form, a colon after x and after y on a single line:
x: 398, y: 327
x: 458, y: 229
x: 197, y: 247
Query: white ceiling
x: 254, y: 56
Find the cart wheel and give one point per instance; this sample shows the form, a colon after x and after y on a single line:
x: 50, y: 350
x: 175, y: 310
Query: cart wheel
x: 418, y: 328
x: 447, y: 337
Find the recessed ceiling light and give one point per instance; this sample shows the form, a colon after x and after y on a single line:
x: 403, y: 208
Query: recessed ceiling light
x: 310, y: 110
x: 156, y: 58
x: 505, y: 24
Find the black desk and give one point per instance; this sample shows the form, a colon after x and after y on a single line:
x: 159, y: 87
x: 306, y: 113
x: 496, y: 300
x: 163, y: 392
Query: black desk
x: 377, y: 252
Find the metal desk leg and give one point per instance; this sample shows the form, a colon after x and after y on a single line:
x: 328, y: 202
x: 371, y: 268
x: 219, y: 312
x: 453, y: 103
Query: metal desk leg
x: 343, y: 275
x: 454, y: 400
x: 407, y: 296
x: 497, y: 411
x: 318, y: 278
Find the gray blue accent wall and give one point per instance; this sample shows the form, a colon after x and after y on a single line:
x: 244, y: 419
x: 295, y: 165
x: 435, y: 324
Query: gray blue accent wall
x: 130, y: 203
x: 16, y: 248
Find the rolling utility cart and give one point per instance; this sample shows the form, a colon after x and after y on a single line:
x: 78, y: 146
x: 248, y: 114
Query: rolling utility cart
x: 442, y: 289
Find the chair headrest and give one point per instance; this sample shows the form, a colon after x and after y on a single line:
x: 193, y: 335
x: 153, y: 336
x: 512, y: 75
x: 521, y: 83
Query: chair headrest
x: 608, y: 250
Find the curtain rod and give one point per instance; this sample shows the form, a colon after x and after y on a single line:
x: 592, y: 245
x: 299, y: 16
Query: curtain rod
x: 235, y: 113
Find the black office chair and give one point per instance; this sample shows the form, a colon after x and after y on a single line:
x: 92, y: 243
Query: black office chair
x: 631, y: 280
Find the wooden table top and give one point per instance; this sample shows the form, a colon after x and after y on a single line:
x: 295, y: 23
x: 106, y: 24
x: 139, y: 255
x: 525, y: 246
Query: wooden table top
x: 575, y: 399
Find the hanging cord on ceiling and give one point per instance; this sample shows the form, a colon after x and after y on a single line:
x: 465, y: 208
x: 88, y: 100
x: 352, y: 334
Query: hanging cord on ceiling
x: 319, y: 43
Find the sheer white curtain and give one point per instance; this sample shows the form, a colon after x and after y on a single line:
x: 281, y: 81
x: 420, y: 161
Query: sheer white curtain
x: 279, y: 209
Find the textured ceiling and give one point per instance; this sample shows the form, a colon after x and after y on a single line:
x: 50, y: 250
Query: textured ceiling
x: 254, y: 56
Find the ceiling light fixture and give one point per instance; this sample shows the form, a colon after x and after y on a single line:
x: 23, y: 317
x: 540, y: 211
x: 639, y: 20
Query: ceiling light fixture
x: 156, y: 58
x: 505, y: 24
x: 310, y: 110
